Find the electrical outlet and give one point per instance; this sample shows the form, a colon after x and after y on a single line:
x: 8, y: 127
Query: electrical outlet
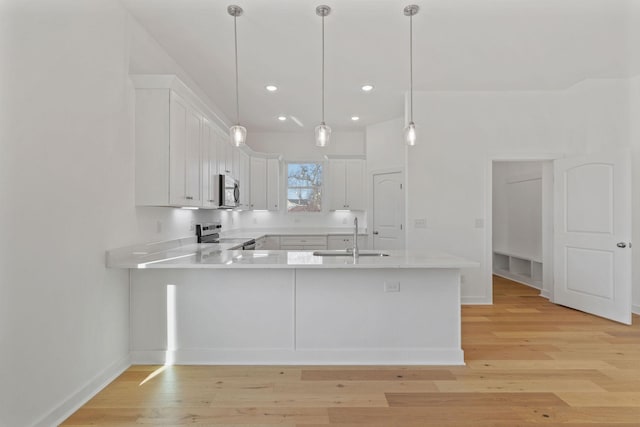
x: 255, y: 221
x: 296, y: 220
x: 192, y: 226
x: 344, y: 220
x: 159, y: 227
x: 479, y: 223
x: 462, y: 279
x: 392, y: 286
x: 420, y: 223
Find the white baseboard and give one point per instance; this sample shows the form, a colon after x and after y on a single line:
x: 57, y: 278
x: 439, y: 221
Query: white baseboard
x: 476, y: 300
x: 545, y: 293
x: 635, y: 308
x: 409, y: 356
x: 72, y: 403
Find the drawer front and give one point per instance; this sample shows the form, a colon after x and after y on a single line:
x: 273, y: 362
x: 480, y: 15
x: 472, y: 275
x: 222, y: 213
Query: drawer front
x: 303, y: 240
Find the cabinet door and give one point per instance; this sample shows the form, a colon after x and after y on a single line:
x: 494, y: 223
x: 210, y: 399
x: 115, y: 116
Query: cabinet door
x: 354, y: 185
x: 244, y: 176
x: 229, y: 158
x: 337, y: 185
x: 193, y: 167
x: 209, y: 165
x: 177, y: 150
x: 223, y: 147
x: 273, y: 184
x: 258, y: 183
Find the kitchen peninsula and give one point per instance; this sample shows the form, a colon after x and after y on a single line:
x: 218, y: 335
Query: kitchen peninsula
x: 206, y: 304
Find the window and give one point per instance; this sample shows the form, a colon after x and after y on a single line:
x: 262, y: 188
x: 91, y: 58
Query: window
x: 304, y: 187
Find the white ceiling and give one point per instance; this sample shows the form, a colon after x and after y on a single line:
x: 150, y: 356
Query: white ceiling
x: 477, y: 45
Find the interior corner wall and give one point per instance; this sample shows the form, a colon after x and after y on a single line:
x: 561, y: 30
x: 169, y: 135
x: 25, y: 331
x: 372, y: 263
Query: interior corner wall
x: 448, y: 172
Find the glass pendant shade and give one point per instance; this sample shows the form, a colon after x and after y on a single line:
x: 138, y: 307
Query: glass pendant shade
x: 410, y: 134
x: 323, y: 135
x: 238, y: 135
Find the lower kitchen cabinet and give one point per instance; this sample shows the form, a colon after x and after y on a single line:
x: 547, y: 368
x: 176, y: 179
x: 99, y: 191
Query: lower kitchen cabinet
x: 345, y: 242
x: 307, y: 243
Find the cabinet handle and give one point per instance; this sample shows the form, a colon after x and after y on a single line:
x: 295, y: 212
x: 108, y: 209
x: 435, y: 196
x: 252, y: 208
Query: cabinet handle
x: 375, y: 232
x: 211, y: 201
x: 189, y: 198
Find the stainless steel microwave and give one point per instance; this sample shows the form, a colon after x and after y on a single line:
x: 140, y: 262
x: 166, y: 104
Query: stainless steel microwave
x: 229, y: 191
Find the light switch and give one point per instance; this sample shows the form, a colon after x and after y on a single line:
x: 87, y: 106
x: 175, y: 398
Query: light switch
x: 392, y: 286
x: 420, y: 223
x: 479, y: 223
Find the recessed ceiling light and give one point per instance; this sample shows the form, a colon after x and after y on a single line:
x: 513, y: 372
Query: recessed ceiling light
x: 271, y: 88
x: 282, y: 118
x: 367, y: 88
x: 355, y: 118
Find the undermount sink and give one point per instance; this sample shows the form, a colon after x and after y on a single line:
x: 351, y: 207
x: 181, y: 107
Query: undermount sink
x: 348, y: 252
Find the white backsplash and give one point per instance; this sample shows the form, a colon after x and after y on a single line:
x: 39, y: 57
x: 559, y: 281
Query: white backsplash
x: 264, y: 220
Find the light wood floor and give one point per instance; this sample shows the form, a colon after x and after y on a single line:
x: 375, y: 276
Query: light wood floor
x: 529, y: 362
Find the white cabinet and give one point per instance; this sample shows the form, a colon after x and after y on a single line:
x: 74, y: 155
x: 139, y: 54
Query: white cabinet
x: 300, y: 242
x: 244, y: 177
x: 224, y: 155
x: 522, y: 269
x: 265, y: 182
x: 209, y: 165
x: 168, y: 149
x: 346, y: 184
x: 273, y: 184
x: 345, y: 242
x: 258, y: 183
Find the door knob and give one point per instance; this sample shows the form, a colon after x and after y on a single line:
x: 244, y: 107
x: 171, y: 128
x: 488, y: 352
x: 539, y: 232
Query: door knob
x: 375, y: 232
x: 622, y: 245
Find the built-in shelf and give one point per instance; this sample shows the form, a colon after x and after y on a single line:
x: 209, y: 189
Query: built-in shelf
x: 522, y: 269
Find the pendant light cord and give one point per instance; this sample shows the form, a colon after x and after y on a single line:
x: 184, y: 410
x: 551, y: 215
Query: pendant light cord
x: 411, y: 65
x: 235, y: 34
x: 323, y: 69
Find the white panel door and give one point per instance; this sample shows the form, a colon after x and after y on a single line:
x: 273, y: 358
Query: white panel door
x: 388, y: 211
x: 592, y: 231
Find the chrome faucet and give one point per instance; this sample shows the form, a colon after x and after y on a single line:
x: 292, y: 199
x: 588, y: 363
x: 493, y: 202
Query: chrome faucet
x: 356, y: 251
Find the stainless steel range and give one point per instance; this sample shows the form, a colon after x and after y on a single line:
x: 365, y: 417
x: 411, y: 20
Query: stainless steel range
x: 210, y: 233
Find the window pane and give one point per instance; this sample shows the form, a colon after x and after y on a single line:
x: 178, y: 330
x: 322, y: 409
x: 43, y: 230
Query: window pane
x: 304, y: 187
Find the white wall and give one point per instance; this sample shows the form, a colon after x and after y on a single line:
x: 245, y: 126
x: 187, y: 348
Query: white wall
x: 66, y: 179
x: 385, y: 145
x: 302, y: 146
x: 459, y: 132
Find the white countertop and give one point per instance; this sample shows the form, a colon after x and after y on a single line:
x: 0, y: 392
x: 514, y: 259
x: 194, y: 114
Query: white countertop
x: 193, y: 255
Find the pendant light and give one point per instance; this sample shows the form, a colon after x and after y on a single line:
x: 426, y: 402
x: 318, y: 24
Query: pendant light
x: 323, y: 132
x: 410, y: 129
x: 237, y: 132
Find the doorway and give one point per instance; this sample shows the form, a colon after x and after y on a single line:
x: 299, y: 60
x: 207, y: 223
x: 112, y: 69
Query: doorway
x: 522, y: 223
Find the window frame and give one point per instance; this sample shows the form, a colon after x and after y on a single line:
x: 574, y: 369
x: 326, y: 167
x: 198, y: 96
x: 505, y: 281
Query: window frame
x: 323, y: 200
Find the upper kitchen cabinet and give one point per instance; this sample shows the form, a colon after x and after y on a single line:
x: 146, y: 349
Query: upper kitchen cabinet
x: 346, y: 184
x: 244, y: 176
x: 209, y: 143
x: 265, y: 182
x: 173, y: 144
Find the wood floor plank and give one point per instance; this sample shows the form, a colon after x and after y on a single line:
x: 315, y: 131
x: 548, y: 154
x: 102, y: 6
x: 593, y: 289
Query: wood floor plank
x: 408, y: 400
x: 376, y: 375
x: 528, y: 363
